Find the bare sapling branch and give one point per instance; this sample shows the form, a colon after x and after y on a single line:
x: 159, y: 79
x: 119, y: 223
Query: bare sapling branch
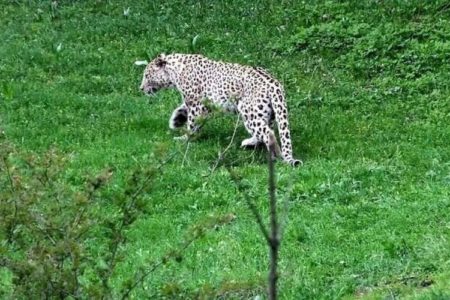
x: 222, y: 153
x: 274, y: 239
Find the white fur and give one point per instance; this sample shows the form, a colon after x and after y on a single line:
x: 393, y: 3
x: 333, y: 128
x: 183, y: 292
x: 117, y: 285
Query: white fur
x: 250, y: 142
x: 172, y: 120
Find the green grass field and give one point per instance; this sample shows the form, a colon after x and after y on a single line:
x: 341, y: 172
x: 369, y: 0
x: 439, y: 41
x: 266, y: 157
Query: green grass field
x: 368, y: 88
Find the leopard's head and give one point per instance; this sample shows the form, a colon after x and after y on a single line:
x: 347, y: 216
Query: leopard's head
x: 156, y: 76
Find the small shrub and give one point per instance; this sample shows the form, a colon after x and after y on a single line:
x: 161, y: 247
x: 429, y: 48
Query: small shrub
x: 49, y: 226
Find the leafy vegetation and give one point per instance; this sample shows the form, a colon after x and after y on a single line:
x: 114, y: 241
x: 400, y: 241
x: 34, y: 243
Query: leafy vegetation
x: 368, y: 87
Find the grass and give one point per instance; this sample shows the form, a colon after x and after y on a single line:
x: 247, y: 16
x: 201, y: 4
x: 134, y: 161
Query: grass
x: 368, y: 87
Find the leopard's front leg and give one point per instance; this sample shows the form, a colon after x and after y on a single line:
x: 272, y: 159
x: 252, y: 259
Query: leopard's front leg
x: 179, y: 117
x: 195, y: 110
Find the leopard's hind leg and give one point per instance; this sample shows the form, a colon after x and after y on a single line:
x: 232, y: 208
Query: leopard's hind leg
x: 257, y: 122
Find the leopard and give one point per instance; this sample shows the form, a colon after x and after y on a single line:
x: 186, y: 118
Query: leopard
x: 252, y: 92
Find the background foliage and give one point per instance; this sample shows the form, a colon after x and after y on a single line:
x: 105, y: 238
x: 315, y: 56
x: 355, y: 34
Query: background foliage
x: 368, y: 91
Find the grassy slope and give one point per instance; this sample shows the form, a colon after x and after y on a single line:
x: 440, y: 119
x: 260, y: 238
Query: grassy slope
x: 368, y: 89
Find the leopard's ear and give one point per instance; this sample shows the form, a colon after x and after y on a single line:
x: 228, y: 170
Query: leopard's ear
x: 161, y: 60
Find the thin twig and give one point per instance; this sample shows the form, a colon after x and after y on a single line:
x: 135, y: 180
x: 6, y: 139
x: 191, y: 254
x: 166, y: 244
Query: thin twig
x: 176, y: 254
x: 259, y: 220
x: 444, y: 7
x: 222, y: 154
x: 13, y: 190
x: 149, y: 177
x: 185, y: 153
x: 284, y: 217
x: 155, y: 266
x: 252, y: 207
x: 5, y: 162
x: 125, y: 210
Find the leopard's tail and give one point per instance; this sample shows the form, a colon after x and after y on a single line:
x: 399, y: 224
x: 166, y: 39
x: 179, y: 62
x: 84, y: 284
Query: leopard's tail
x: 281, y: 116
